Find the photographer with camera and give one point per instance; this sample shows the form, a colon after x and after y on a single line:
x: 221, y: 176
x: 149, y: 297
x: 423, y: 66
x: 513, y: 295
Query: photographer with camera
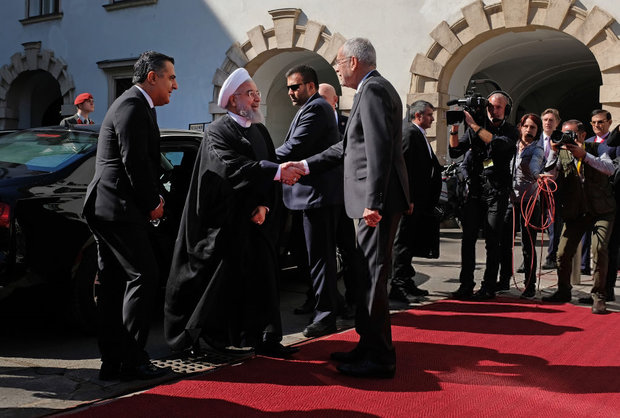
x: 585, y: 200
x: 488, y: 145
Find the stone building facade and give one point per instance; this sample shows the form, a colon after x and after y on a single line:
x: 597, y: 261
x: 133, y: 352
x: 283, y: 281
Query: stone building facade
x: 545, y: 53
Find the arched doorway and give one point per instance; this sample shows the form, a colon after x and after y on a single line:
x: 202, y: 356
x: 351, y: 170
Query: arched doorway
x: 545, y: 53
x: 36, y: 99
x: 269, y: 53
x: 270, y: 78
x: 540, y: 69
x: 39, y: 90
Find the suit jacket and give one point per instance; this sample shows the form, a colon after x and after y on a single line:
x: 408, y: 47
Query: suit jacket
x: 594, y: 195
x: 375, y: 175
x: 424, y: 170
x: 74, y: 120
x: 125, y: 186
x: 313, y: 130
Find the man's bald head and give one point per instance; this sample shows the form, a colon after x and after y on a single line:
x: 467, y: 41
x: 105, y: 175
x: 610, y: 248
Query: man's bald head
x: 328, y: 92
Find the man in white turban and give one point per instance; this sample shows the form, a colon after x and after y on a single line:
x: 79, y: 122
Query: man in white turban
x: 222, y: 288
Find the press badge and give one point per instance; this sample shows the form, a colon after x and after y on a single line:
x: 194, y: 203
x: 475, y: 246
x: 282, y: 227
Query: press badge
x: 488, y: 163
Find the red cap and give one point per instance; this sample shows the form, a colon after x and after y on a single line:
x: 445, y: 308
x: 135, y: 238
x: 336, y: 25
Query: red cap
x: 82, y: 98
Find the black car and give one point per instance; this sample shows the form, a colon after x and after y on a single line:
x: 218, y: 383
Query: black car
x: 44, y: 240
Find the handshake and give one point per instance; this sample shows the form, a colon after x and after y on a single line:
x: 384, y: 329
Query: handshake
x: 291, y: 172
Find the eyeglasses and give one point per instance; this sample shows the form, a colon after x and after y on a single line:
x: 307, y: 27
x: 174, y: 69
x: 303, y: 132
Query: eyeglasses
x: 252, y: 94
x: 295, y: 87
x: 599, y: 122
x: 342, y: 60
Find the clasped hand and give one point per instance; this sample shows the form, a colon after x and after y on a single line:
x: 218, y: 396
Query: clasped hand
x: 371, y: 217
x: 158, y: 212
x: 291, y: 171
x: 258, y: 215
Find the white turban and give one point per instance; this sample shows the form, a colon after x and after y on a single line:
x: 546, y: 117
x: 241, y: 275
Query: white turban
x: 232, y: 83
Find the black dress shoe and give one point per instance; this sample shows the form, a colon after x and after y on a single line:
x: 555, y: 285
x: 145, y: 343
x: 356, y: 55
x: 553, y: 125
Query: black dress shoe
x: 110, y: 371
x: 306, y: 308
x: 558, y: 297
x: 586, y: 272
x: 275, y: 349
x: 549, y: 265
x: 528, y: 293
x: 502, y: 284
x: 367, y: 368
x: 352, y: 356
x: 320, y: 328
x: 144, y: 371
x: 463, y: 293
x: 589, y: 300
x: 397, y: 293
x: 411, y: 288
x: 483, y: 294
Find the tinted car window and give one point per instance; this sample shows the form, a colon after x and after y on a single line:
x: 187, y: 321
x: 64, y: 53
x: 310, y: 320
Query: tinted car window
x: 47, y: 151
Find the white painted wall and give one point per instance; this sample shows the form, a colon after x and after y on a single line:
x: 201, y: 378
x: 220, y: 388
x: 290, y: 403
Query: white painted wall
x: 198, y: 33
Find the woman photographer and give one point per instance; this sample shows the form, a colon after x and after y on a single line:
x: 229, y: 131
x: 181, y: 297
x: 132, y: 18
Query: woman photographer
x: 526, y: 166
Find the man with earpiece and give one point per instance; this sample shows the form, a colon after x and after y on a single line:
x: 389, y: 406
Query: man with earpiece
x: 488, y: 146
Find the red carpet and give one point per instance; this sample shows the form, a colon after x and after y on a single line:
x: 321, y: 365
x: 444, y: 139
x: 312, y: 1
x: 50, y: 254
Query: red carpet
x: 455, y: 359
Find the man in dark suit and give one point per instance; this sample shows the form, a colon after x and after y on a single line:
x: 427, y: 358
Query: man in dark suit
x: 318, y: 196
x: 376, y: 192
x: 424, y: 188
x: 121, y: 200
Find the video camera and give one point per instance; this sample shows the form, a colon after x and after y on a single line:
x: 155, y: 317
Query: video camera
x: 474, y: 103
x: 563, y: 138
x: 475, y: 106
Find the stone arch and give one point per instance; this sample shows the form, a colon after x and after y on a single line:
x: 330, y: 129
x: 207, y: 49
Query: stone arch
x: 287, y: 33
x: 34, y: 58
x: 431, y: 73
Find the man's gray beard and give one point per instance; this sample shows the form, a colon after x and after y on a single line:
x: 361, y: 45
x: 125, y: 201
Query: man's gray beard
x: 254, y: 116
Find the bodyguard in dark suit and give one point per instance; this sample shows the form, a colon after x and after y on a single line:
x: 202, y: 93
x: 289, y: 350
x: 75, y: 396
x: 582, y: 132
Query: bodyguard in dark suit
x: 319, y: 196
x: 121, y: 199
x: 376, y: 193
x: 420, y: 227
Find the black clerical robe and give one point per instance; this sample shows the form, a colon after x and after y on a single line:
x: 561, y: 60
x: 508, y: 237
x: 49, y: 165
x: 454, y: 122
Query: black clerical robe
x: 223, y: 280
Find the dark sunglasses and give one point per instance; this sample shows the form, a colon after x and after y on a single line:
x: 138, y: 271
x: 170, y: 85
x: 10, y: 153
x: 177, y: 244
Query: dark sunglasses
x: 294, y: 87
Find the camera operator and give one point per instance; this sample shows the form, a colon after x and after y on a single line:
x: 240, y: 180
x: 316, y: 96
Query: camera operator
x: 586, y: 201
x: 488, y: 145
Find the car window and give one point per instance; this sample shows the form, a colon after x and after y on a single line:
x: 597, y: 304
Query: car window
x: 45, y: 150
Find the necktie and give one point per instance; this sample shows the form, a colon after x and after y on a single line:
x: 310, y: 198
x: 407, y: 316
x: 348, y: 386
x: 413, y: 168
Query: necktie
x: 154, y: 114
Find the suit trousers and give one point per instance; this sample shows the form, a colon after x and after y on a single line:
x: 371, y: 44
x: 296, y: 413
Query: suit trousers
x: 614, y: 247
x: 351, y: 258
x: 402, y: 269
x: 320, y: 233
x: 572, y: 232
x: 528, y: 245
x: 372, y: 316
x: 486, y: 211
x: 555, y: 231
x: 128, y: 277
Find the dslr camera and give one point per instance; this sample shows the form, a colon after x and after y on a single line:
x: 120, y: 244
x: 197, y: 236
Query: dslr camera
x: 563, y: 138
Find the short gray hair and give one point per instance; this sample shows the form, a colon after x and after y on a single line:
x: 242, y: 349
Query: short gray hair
x: 419, y: 106
x: 362, y: 49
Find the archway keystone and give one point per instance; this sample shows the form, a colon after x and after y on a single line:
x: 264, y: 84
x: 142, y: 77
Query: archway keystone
x: 262, y: 44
